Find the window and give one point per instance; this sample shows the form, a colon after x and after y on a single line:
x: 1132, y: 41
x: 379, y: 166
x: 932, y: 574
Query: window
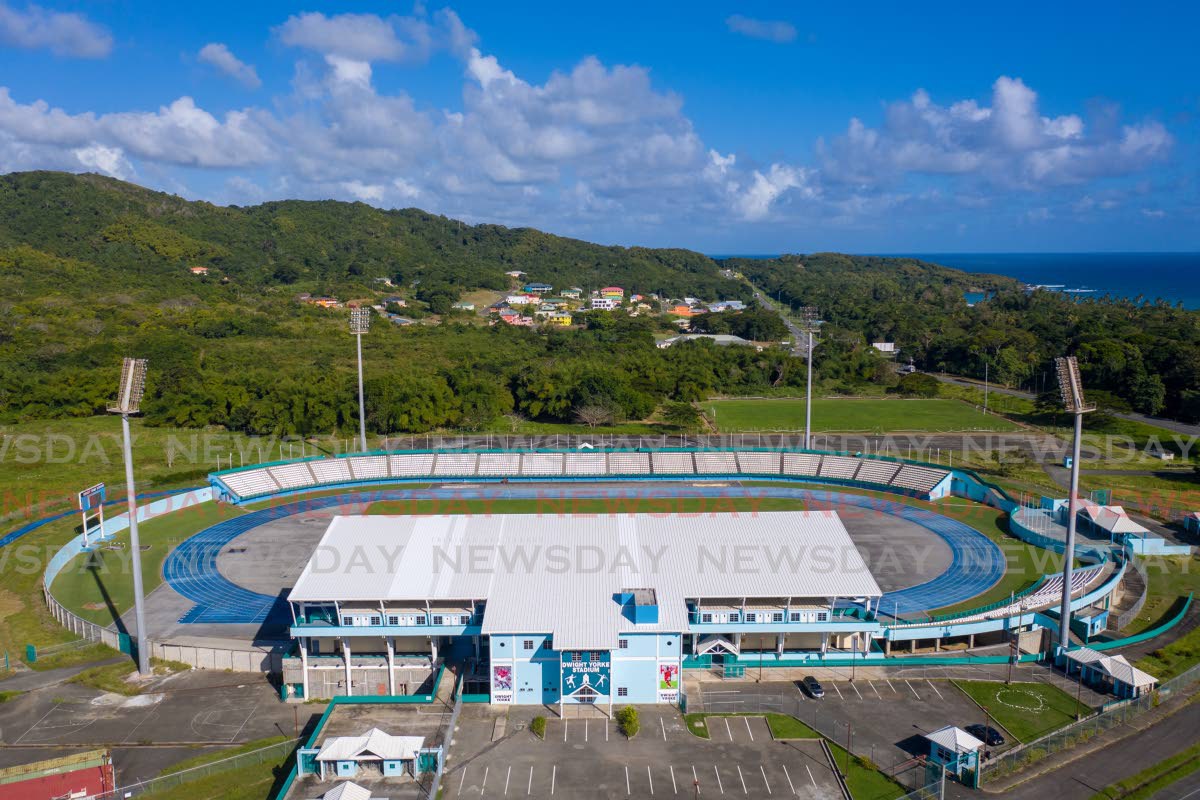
x: 347, y: 620
x: 822, y: 616
x: 577, y: 657
x: 393, y: 619
x: 466, y: 619
x: 622, y: 691
x: 795, y: 616
x: 733, y: 616
x: 706, y: 617
x: 751, y: 616
x: 420, y: 619
x: 623, y: 644
x: 375, y: 620
x: 777, y: 616
x: 527, y: 644
x: 437, y: 619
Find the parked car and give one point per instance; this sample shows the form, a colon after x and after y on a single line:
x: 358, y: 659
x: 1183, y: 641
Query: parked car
x: 989, y: 735
x: 812, y: 687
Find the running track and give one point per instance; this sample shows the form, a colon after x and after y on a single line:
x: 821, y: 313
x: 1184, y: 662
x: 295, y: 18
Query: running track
x: 191, y: 569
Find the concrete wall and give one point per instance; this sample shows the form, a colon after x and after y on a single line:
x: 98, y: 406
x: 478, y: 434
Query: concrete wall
x: 268, y: 660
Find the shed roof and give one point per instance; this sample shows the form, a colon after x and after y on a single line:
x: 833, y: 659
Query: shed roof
x: 955, y: 739
x: 375, y: 743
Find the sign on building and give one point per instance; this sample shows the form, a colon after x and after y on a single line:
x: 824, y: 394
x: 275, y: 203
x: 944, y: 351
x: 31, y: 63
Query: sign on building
x: 586, y: 674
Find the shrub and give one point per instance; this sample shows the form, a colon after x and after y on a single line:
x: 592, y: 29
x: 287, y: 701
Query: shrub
x: 627, y: 721
x: 538, y: 727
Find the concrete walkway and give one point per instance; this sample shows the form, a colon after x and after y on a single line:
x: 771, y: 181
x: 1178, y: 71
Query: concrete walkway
x: 29, y: 680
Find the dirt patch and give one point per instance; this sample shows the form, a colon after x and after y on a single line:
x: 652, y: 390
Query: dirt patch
x: 10, y: 604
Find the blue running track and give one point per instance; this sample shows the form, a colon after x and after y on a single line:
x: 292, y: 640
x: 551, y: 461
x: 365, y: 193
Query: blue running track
x: 191, y: 569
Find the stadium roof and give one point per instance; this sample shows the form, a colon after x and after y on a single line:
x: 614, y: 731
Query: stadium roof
x: 562, y: 574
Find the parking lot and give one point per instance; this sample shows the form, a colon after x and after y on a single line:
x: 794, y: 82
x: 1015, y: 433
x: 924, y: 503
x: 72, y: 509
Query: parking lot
x: 590, y: 758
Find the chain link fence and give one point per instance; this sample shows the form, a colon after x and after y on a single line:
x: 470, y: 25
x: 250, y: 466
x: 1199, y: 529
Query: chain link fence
x: 279, y: 753
x: 1111, y: 716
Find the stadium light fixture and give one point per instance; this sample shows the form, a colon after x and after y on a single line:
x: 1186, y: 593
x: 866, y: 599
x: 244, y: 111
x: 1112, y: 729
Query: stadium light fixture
x: 129, y: 400
x: 360, y: 323
x: 1071, y: 388
x: 809, y: 315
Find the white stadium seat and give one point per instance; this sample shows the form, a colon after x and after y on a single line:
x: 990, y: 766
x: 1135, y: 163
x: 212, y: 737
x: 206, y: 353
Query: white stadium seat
x: 251, y: 483
x: 673, y: 464
x: 542, y: 464
x: 367, y: 468
x: 411, y: 465
x: 585, y: 464
x: 716, y: 463
x: 628, y: 463
x: 875, y: 471
x: 292, y: 476
x: 331, y: 470
x: 499, y: 464
x: 801, y: 463
x: 753, y: 463
x: 455, y: 464
x: 921, y: 479
x: 842, y: 467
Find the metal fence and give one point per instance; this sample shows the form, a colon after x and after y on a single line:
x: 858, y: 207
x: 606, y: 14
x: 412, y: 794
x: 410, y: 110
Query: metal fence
x: 1126, y: 617
x: 1112, y: 716
x: 278, y: 753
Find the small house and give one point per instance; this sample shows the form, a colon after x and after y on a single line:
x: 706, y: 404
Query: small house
x: 612, y: 291
x: 885, y: 347
x: 1113, y: 674
x: 574, y: 293
x: 954, y: 749
x: 463, y: 305
x: 375, y: 753
x: 537, y: 288
x: 605, y: 303
x: 199, y: 270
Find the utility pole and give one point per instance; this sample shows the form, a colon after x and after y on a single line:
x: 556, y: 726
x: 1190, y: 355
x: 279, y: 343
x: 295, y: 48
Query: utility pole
x: 129, y: 400
x: 985, y: 384
x: 360, y: 323
x: 1071, y: 387
x: 809, y: 314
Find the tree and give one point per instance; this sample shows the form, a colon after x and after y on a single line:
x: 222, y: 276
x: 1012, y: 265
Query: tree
x: 593, y: 415
x: 682, y: 415
x: 628, y: 721
x: 918, y: 384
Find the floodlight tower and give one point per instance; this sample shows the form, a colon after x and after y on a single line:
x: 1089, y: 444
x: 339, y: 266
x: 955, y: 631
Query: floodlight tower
x: 129, y: 400
x: 360, y: 323
x: 1071, y: 388
x: 809, y: 314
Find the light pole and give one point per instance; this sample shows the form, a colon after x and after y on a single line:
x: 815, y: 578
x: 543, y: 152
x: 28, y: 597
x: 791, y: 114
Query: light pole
x: 985, y: 384
x: 360, y: 323
x: 129, y: 399
x: 809, y: 313
x: 1071, y: 388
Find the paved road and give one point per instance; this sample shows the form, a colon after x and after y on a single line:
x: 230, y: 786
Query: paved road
x: 799, y: 337
x: 28, y: 680
x: 1169, y: 424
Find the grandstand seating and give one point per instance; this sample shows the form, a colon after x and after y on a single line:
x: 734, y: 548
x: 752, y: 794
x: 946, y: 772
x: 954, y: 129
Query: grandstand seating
x: 542, y: 464
x: 499, y: 463
x: 758, y: 463
x: 331, y: 470
x: 628, y: 463
x: 367, y: 468
x: 251, y: 483
x: 292, y: 476
x: 921, y: 479
x: 455, y: 464
x: 585, y: 464
x: 716, y: 463
x: 673, y: 463
x: 410, y: 465
x: 840, y: 467
x: 801, y: 463
x: 874, y: 471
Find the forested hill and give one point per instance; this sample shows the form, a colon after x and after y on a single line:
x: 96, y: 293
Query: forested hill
x: 325, y: 246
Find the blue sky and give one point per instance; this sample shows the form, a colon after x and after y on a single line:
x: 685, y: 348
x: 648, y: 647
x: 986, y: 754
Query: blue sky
x: 727, y: 128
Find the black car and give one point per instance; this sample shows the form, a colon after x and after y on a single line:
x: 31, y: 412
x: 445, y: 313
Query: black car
x: 813, y: 687
x: 989, y: 736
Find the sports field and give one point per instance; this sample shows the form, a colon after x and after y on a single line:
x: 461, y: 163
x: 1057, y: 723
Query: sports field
x: 1026, y: 710
x: 851, y: 414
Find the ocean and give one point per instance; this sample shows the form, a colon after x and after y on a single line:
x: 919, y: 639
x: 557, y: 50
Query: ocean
x: 1175, y: 277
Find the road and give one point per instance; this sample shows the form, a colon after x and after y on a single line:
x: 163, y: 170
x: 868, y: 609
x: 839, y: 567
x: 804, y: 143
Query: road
x: 1169, y: 424
x: 799, y: 336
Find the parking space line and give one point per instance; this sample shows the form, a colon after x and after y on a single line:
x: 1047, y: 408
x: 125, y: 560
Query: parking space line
x: 889, y: 683
x: 810, y: 777
x: 650, y: 778
x: 553, y: 777
x: 727, y: 730
x: 628, y: 792
x: 856, y: 691
x: 585, y: 730
x: 565, y: 721
x: 836, y: 689
x: 663, y: 726
x: 483, y: 786
x: 765, y: 781
x: 695, y: 779
x: 674, y: 788
x: 742, y: 778
x: 789, y: 777
x: 914, y: 691
x: 873, y: 689
x: 931, y: 686
x: 720, y: 785
x: 606, y: 730
x: 507, y: 778
x: 529, y: 788
x: 747, y: 719
x: 462, y: 778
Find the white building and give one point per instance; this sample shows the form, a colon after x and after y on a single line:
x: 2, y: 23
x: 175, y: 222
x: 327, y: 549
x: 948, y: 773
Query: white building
x: 605, y: 303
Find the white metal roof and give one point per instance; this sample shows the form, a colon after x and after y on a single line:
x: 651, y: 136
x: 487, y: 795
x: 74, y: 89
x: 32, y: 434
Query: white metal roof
x: 347, y: 791
x: 374, y: 743
x: 1116, y: 667
x: 954, y: 739
x: 559, y: 574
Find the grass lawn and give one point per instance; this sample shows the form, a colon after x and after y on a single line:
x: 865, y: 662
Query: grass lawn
x: 253, y: 782
x: 1152, y: 780
x: 782, y: 726
x: 1170, y: 579
x: 1025, y: 710
x: 553, y: 505
x: 851, y: 414
x: 98, y: 586
x: 6, y: 696
x: 1170, y: 660
x: 112, y: 677
x: 208, y: 758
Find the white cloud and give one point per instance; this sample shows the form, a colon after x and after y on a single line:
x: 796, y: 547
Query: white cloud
x: 64, y: 34
x: 754, y: 203
x: 771, y: 30
x: 109, y: 160
x: 368, y: 37
x: 367, y: 192
x: 220, y: 56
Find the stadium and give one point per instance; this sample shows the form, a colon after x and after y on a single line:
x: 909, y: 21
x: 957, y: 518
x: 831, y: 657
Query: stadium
x: 346, y: 575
